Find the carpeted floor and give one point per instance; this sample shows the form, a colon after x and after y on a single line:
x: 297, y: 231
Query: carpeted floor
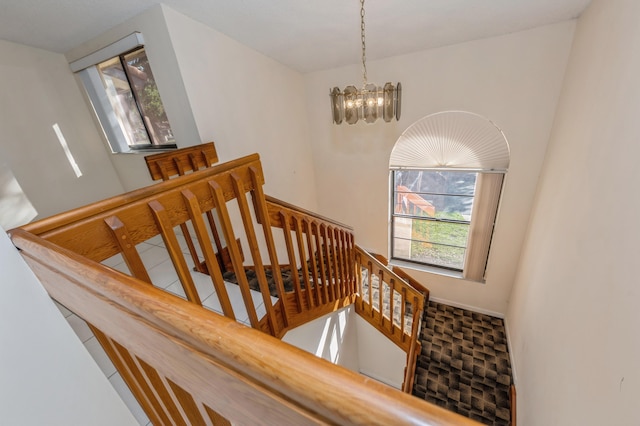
x: 464, y: 364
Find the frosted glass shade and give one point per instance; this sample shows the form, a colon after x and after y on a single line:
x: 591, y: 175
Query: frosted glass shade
x: 368, y: 104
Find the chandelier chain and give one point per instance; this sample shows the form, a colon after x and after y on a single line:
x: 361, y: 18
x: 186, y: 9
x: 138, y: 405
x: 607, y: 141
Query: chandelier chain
x: 364, y: 47
x: 371, y: 101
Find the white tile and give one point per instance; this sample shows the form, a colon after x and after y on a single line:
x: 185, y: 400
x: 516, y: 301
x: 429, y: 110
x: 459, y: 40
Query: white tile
x: 203, y: 284
x: 154, y: 256
x: 163, y: 274
x: 122, y: 267
x: 156, y: 241
x: 144, y: 246
x: 237, y: 302
x: 65, y: 312
x: 100, y: 356
x: 176, y: 288
x: 213, y: 304
x: 261, y: 311
x: 130, y: 401
x: 185, y: 248
x: 113, y: 260
x: 80, y: 327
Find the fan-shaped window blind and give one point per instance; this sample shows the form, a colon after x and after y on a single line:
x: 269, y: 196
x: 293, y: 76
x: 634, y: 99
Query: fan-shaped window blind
x: 452, y: 140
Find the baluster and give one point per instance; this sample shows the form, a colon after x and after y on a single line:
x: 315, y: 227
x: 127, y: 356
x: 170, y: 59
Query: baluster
x: 344, y: 263
x: 194, y: 162
x: 261, y: 212
x: 250, y: 232
x: 303, y: 263
x: 392, y: 288
x: 286, y: 226
x: 334, y: 262
x: 353, y: 263
x: 196, y: 413
x: 162, y: 389
x: 164, y: 169
x: 140, y: 379
x: 381, y: 296
x: 340, y: 262
x: 171, y: 242
x: 179, y: 166
x: 234, y: 251
x: 370, y: 277
x: 403, y: 310
x: 193, y: 207
x: 149, y: 405
x: 184, y: 228
x: 313, y: 261
x: 128, y: 249
x: 321, y: 263
x: 327, y: 261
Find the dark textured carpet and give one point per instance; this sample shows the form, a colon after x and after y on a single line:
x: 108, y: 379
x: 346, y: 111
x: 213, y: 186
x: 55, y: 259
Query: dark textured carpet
x: 464, y: 364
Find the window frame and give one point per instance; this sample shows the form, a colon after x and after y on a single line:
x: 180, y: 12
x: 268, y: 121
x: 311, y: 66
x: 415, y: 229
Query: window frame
x: 86, y: 69
x: 486, y: 200
x: 395, y: 215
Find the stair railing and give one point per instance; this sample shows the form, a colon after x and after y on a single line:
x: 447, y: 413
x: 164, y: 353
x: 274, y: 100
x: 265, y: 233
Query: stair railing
x: 187, y: 365
x: 179, y: 162
x: 322, y: 251
x: 323, y: 268
x: 390, y: 304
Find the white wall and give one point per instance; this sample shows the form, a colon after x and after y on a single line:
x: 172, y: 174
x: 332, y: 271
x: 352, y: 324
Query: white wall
x: 344, y: 338
x: 514, y: 80
x: 573, y: 315
x: 247, y: 103
x: 38, y: 91
x: 333, y: 337
x: 378, y: 357
x: 216, y: 89
x: 46, y: 376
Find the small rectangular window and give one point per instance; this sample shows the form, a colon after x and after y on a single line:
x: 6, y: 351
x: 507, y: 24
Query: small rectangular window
x: 125, y: 97
x: 431, y: 216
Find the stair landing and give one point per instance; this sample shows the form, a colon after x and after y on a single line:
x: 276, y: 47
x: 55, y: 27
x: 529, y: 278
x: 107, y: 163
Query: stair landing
x: 464, y: 364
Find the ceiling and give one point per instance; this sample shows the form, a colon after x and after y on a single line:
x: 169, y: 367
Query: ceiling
x: 305, y: 35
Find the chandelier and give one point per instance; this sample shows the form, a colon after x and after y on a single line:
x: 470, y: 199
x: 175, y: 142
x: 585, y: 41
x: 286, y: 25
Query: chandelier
x: 368, y: 103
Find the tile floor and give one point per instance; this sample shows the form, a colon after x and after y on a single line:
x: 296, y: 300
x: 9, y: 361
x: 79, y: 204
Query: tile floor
x: 156, y: 259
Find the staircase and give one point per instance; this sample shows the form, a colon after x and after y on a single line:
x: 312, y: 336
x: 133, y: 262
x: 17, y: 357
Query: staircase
x: 464, y: 364
x: 187, y: 365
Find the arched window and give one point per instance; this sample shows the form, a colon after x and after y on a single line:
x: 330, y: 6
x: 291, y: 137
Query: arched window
x: 446, y: 172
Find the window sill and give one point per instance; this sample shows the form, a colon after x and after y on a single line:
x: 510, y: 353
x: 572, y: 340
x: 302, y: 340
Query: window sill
x: 425, y: 268
x: 144, y: 151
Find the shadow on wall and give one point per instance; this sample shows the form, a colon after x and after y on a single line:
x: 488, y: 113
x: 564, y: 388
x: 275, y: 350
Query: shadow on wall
x: 15, y: 207
x: 332, y: 337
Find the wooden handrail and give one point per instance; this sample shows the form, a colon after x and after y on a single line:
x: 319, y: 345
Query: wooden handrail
x: 194, y: 366
x: 276, y: 205
x: 412, y: 281
x: 47, y: 226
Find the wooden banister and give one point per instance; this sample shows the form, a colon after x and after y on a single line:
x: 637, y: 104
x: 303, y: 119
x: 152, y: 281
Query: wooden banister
x: 325, y: 271
x: 196, y: 367
x: 412, y: 281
